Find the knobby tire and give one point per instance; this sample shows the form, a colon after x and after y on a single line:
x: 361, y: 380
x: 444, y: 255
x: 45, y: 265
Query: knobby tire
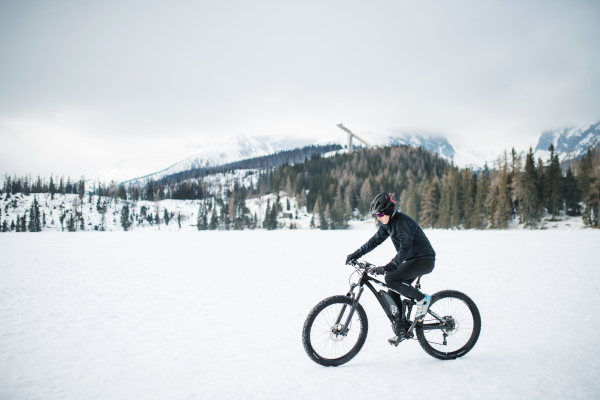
x: 321, y: 345
x: 460, y: 341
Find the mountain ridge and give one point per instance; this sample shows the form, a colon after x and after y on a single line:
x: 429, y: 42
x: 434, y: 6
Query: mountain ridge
x: 568, y: 142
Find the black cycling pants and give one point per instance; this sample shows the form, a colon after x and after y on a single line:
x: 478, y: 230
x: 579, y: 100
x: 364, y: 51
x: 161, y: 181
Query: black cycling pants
x: 405, y: 274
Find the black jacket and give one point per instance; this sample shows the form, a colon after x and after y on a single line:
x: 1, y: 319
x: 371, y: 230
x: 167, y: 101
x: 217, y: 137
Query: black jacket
x: 408, y: 238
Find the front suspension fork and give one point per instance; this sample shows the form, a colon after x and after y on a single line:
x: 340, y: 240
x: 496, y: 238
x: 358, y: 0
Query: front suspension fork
x: 350, y: 294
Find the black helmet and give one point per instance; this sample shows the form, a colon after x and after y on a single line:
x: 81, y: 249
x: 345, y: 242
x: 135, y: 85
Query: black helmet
x: 383, y: 203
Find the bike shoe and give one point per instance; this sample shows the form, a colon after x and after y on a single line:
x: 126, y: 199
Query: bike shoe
x: 422, y: 307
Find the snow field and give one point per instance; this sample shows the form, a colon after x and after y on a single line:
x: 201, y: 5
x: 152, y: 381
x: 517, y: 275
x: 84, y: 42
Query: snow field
x: 219, y: 315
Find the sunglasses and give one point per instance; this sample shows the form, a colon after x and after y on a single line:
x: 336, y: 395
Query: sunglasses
x: 380, y: 215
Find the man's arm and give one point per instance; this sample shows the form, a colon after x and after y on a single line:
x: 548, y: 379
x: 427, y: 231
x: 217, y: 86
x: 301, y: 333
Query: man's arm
x: 375, y: 241
x: 406, y: 244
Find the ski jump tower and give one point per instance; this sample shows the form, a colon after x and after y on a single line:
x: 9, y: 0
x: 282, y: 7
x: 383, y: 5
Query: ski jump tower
x: 350, y: 135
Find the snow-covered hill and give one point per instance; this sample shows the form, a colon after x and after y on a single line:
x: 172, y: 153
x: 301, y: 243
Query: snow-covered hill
x: 243, y: 147
x: 221, y: 152
x: 573, y: 141
x: 568, y: 142
x: 183, y: 214
x: 437, y: 144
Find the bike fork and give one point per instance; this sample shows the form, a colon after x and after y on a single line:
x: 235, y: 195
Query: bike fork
x: 354, y: 304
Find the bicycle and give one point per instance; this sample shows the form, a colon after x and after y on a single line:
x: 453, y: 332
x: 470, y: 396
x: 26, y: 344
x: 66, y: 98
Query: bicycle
x: 335, y: 330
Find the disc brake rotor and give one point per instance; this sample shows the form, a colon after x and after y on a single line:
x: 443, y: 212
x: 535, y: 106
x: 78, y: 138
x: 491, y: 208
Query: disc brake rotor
x: 455, y: 326
x: 336, y: 332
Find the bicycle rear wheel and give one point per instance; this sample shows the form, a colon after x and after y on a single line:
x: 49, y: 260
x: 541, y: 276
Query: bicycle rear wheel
x: 322, y: 337
x: 449, y: 344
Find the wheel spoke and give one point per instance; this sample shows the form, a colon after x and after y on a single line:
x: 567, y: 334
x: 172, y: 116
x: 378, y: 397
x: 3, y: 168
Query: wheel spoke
x: 322, y: 337
x: 464, y: 323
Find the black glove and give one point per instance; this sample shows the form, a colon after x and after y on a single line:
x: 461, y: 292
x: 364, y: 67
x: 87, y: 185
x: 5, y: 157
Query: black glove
x: 379, y: 270
x: 352, y: 257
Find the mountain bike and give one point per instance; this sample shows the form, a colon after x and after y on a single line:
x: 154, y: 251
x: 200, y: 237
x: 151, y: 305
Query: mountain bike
x: 336, y: 328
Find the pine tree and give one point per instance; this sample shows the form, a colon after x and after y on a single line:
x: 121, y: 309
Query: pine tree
x: 455, y: 198
x: 325, y: 217
x: 338, y: 218
x: 202, y: 217
x: 121, y: 192
x: 469, y: 183
x: 316, y: 212
x: 529, y: 205
x: 502, y: 205
x: 302, y: 202
x: 516, y: 176
x: 71, y: 224
x: 5, y: 227
x: 214, y: 222
x: 51, y: 188
x: 273, y: 215
x: 166, y: 217
x: 267, y: 220
x: 288, y: 188
x: 589, y: 183
x: 34, y: 216
x: 431, y: 199
x: 232, y: 210
x: 572, y: 195
x: 125, y: 223
x: 445, y: 205
x: 366, y: 196
x: 413, y: 206
x: 81, y: 190
x: 480, y: 213
x: 553, y: 186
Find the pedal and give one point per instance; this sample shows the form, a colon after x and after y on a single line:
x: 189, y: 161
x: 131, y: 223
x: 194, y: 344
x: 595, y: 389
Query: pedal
x: 396, y: 340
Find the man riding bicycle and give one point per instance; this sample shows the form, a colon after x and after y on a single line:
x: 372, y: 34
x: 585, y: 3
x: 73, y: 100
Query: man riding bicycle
x: 415, y: 255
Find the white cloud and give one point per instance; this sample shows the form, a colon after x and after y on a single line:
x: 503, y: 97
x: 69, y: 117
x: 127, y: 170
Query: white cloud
x: 116, y: 78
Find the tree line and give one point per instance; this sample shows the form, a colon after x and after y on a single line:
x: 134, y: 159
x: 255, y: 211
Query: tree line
x: 337, y: 189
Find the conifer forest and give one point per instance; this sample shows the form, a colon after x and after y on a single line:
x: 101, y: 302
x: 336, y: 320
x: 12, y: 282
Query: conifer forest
x: 334, y: 190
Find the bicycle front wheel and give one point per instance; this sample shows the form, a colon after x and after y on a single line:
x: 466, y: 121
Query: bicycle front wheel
x: 323, y: 336
x: 448, y: 344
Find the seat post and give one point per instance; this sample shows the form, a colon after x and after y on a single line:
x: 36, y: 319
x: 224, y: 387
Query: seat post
x: 418, y: 284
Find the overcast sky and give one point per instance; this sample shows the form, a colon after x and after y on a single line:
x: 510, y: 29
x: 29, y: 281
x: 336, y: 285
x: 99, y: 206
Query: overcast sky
x: 84, y: 84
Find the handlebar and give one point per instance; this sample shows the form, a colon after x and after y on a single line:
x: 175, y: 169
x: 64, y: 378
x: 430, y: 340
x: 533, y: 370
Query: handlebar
x: 364, y: 266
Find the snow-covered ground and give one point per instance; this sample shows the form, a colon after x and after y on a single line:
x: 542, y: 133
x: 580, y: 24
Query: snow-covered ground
x: 218, y: 315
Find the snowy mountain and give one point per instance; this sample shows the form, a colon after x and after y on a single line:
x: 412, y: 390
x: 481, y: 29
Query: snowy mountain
x: 571, y: 141
x: 222, y: 152
x: 437, y: 144
x: 461, y: 157
x: 243, y: 147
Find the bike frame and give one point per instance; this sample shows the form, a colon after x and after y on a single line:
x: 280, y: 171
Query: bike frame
x: 365, y: 280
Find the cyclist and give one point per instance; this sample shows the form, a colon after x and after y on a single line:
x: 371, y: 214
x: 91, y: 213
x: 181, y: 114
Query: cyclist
x: 415, y: 255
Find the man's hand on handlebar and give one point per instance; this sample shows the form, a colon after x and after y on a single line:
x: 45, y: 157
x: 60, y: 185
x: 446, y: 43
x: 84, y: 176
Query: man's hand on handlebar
x: 369, y: 268
x: 351, y: 259
x: 378, y: 271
